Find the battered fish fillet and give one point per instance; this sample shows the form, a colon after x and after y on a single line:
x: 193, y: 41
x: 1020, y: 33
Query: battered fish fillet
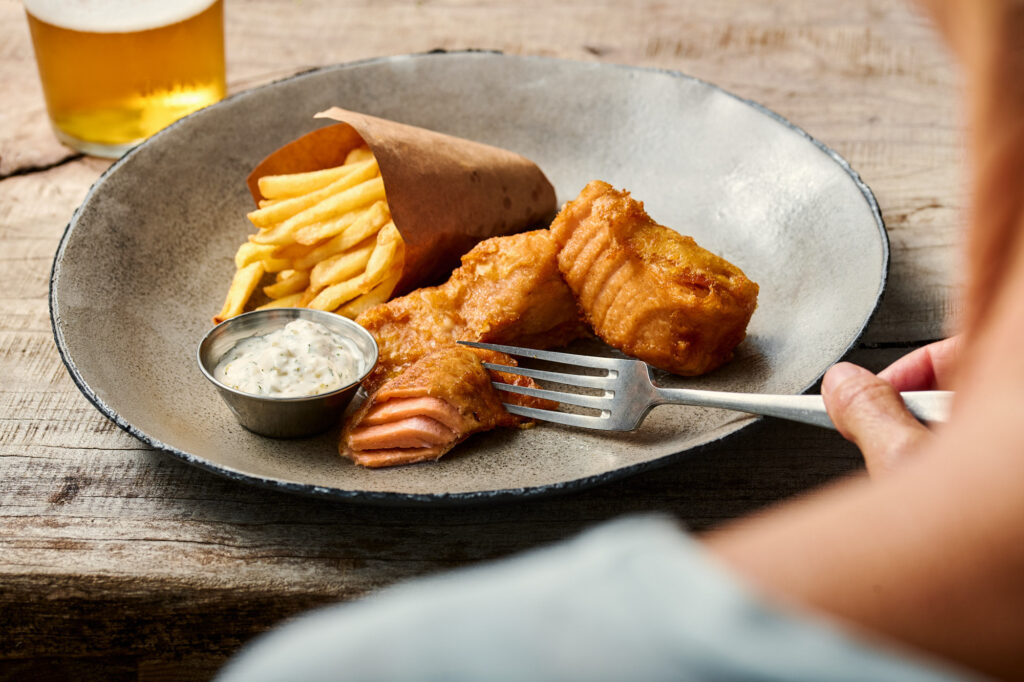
x: 427, y: 393
x: 507, y: 290
x: 646, y: 289
x: 425, y: 411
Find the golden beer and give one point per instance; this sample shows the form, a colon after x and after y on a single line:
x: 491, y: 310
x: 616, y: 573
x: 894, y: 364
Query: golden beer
x: 116, y: 71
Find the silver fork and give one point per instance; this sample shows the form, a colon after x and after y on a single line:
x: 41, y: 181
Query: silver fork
x: 629, y: 394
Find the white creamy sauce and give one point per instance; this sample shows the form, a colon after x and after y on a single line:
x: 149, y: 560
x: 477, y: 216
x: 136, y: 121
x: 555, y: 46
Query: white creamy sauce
x: 303, y: 358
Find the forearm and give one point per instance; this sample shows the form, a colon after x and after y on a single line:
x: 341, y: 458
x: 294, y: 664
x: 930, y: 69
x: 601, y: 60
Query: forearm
x: 933, y: 554
x: 916, y: 559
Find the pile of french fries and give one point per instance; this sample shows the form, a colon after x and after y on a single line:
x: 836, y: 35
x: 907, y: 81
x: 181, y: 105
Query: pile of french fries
x: 327, y: 238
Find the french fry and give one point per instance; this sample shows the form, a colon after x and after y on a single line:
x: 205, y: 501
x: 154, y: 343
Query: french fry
x: 290, y: 301
x: 276, y: 264
x: 250, y: 253
x: 333, y: 206
x: 326, y: 237
x: 320, y: 231
x: 338, y: 294
x: 381, y: 265
x: 271, y: 215
x: 374, y: 297
x: 293, y: 284
x: 381, y: 262
x: 342, y: 266
x: 275, y: 236
x: 292, y: 251
x: 242, y: 285
x: 376, y: 218
x: 358, y: 155
x: 297, y: 184
x: 367, y: 225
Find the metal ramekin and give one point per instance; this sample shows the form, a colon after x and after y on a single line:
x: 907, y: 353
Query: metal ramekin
x: 284, y: 417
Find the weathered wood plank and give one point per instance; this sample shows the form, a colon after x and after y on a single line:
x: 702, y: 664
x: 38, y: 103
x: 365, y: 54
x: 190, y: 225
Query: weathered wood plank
x: 143, y: 553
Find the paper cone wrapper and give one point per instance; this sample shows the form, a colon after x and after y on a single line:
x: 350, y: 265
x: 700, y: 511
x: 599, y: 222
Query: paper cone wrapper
x: 445, y: 193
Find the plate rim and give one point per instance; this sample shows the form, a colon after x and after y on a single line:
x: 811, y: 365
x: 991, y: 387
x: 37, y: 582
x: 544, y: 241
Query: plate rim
x: 395, y: 498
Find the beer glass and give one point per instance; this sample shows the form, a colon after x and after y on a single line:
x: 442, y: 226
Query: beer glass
x: 116, y: 71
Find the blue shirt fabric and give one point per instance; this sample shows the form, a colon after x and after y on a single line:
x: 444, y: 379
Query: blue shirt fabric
x: 634, y: 599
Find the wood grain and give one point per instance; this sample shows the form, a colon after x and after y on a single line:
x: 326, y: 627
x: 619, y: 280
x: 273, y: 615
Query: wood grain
x: 118, y: 562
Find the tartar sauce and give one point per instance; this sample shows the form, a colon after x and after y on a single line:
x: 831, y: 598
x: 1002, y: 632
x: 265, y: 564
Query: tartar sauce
x: 301, y: 359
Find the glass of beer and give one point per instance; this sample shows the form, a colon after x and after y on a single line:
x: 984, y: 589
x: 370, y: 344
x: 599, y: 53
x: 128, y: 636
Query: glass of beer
x: 116, y: 71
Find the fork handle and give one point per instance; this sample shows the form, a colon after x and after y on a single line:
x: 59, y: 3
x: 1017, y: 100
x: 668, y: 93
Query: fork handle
x: 928, y: 406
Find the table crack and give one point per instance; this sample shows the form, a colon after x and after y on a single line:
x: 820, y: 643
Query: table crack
x: 28, y: 170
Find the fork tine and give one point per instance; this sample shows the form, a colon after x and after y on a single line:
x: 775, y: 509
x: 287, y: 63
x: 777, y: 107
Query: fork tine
x: 581, y: 420
x: 552, y: 356
x: 597, y: 402
x: 583, y: 380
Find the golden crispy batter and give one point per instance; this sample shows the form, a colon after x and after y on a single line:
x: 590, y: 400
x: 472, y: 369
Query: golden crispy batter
x: 446, y: 396
x: 427, y: 393
x: 646, y: 289
x: 508, y: 290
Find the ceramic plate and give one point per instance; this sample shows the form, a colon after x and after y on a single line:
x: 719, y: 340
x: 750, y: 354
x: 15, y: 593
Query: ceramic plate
x: 147, y: 258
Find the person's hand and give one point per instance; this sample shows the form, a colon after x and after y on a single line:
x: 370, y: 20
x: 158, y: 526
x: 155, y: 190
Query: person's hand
x: 868, y: 410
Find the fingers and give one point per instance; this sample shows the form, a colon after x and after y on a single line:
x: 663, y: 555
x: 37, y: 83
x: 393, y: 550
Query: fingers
x: 869, y: 412
x: 925, y: 369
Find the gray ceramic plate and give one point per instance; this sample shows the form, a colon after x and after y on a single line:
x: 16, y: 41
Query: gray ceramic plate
x: 146, y: 259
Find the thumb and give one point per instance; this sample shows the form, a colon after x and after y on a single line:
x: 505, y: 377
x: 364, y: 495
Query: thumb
x: 869, y: 412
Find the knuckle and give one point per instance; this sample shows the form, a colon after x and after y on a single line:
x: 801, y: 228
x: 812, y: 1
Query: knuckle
x: 866, y: 391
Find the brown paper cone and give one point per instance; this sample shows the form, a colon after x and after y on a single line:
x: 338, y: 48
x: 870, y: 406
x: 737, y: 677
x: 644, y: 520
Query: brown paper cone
x: 445, y: 193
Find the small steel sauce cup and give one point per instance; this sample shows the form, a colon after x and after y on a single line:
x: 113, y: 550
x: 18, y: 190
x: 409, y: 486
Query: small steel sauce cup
x: 284, y: 417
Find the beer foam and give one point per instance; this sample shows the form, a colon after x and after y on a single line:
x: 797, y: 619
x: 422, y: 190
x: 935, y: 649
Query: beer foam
x: 114, y: 16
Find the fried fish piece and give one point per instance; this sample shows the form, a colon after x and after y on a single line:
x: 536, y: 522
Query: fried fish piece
x: 426, y: 410
x: 508, y: 290
x: 647, y: 290
x: 427, y: 393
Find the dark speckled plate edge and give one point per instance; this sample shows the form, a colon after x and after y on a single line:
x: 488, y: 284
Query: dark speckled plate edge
x: 440, y: 499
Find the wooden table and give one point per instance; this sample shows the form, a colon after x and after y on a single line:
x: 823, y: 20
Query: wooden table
x: 119, y: 562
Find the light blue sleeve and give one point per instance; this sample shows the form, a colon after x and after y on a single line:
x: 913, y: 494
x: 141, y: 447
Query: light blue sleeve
x: 635, y: 599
